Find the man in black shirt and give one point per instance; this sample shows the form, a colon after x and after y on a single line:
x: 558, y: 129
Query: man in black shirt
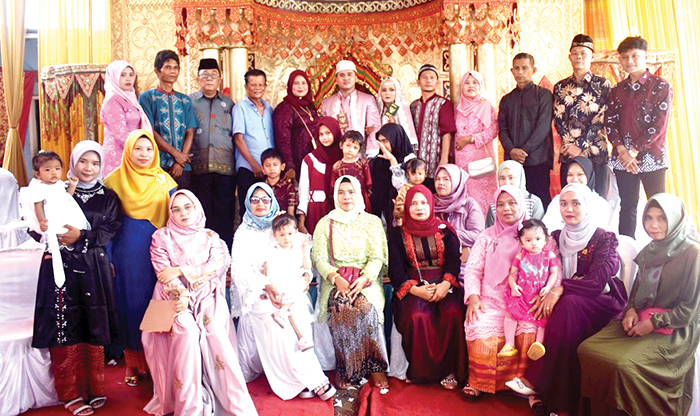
x: 525, y: 126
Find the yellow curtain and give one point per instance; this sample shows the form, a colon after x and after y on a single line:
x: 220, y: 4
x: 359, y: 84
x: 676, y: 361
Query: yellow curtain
x: 12, y: 50
x: 75, y: 32
x: 669, y: 25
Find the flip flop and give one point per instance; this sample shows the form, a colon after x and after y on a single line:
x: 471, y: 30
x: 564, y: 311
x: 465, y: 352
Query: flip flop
x: 507, y: 351
x: 536, y: 351
x: 97, y: 402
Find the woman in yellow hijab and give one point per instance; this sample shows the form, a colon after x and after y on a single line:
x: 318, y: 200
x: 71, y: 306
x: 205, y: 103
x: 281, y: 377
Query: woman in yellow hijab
x: 144, y: 190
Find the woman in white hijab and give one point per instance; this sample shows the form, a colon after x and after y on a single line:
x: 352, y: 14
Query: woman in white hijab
x: 395, y: 108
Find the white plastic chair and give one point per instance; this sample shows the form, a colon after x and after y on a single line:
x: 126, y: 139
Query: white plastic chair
x: 25, y: 373
x: 628, y: 250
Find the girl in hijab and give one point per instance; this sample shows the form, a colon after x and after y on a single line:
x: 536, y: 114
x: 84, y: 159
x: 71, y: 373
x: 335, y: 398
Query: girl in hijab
x: 350, y: 254
x: 643, y: 365
x: 144, y: 189
x: 580, y: 170
x: 511, y: 172
x: 454, y: 205
x: 264, y: 346
x: 387, y: 170
x: 295, y: 122
x: 76, y: 333
x: 121, y: 112
x: 200, y: 350
x: 315, y: 187
x: 588, y: 297
x: 395, y: 108
x: 485, y: 281
x: 477, y: 126
x: 428, y: 299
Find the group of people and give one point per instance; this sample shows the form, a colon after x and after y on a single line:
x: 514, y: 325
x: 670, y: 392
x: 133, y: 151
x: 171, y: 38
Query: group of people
x: 456, y: 266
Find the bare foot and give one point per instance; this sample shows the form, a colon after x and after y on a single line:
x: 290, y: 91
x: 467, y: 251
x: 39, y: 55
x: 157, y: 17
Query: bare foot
x: 340, y: 383
x: 380, y: 380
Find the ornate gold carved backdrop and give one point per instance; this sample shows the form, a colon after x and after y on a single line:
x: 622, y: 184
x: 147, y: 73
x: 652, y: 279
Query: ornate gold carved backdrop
x: 140, y: 28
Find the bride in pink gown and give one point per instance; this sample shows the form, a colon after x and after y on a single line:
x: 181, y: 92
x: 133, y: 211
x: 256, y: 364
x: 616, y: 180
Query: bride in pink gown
x: 195, y: 366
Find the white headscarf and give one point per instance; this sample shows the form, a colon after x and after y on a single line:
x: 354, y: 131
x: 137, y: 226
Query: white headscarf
x: 339, y: 214
x: 79, y: 150
x: 403, y: 116
x: 575, y: 238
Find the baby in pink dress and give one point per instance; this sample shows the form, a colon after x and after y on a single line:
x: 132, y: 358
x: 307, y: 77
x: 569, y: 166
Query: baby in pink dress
x: 534, y: 272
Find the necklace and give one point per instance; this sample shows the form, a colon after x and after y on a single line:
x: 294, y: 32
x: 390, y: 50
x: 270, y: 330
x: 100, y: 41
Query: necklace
x: 307, y: 111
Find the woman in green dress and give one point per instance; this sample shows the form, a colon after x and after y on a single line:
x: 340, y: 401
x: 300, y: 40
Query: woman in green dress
x: 643, y: 364
x: 348, y: 237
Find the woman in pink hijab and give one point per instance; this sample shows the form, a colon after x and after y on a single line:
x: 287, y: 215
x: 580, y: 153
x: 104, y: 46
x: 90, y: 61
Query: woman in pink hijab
x: 121, y: 113
x: 195, y: 366
x: 485, y: 282
x: 477, y: 126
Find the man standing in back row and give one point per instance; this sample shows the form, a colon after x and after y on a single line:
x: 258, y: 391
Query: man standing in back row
x: 354, y: 110
x: 579, y: 113
x: 525, y: 126
x: 434, y: 118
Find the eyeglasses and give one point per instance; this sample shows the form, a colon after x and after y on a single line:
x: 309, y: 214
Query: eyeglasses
x: 256, y: 200
x: 210, y: 75
x: 187, y: 208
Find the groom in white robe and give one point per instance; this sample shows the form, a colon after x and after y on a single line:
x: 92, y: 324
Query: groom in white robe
x: 354, y: 110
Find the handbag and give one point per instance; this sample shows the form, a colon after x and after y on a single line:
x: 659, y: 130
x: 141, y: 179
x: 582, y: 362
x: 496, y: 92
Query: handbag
x: 482, y: 167
x: 348, y: 273
x: 647, y: 313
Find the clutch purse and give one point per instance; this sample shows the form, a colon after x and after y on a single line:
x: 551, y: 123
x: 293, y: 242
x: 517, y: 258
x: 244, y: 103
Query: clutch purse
x: 348, y: 273
x: 481, y: 167
x: 647, y: 313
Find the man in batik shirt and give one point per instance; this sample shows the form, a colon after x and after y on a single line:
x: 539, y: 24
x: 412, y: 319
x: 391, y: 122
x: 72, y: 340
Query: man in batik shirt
x: 173, y: 119
x: 579, y: 113
x: 434, y: 118
x: 636, y: 121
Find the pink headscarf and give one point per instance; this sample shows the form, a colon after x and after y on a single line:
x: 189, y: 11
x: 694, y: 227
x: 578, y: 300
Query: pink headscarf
x: 186, y: 246
x: 112, y: 89
x: 505, y: 245
x: 479, y: 106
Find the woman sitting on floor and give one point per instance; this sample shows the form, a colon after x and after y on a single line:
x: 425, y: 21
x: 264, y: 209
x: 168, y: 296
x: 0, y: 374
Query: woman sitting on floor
x: 644, y: 364
x: 428, y: 306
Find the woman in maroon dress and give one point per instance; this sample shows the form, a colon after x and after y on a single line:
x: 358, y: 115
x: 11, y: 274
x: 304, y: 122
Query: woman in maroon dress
x: 294, y: 121
x: 428, y: 299
x: 315, y: 185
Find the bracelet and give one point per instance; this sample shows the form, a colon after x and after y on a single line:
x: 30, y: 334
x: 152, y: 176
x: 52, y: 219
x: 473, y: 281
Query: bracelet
x: 555, y: 294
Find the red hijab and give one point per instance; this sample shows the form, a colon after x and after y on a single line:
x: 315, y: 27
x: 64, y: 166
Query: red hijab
x: 427, y: 227
x: 305, y: 101
x: 328, y: 155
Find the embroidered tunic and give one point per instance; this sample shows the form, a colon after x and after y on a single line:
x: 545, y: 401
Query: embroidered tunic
x: 433, y: 118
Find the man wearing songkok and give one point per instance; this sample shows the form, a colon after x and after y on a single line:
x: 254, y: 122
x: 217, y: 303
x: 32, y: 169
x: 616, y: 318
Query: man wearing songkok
x: 213, y: 167
x: 579, y: 112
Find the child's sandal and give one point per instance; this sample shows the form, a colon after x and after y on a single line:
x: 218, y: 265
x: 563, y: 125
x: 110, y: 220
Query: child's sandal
x: 507, y: 351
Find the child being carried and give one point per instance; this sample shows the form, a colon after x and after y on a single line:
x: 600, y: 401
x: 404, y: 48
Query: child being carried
x: 288, y: 269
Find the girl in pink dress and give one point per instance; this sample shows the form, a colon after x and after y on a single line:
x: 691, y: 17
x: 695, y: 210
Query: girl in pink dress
x: 477, y: 126
x: 195, y: 366
x: 121, y: 113
x: 534, y: 271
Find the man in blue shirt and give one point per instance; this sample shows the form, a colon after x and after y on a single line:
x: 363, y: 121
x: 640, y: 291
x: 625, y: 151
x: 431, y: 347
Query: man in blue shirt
x: 252, y: 133
x: 172, y: 117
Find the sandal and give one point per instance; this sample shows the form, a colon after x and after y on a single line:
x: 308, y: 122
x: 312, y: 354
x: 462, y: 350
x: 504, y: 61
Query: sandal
x: 97, y: 402
x: 536, y: 351
x: 306, y: 394
x: 84, y: 410
x: 507, y: 351
x: 537, y: 406
x: 470, y: 394
x: 133, y: 381
x: 517, y: 385
x: 449, y: 382
x: 326, y: 391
